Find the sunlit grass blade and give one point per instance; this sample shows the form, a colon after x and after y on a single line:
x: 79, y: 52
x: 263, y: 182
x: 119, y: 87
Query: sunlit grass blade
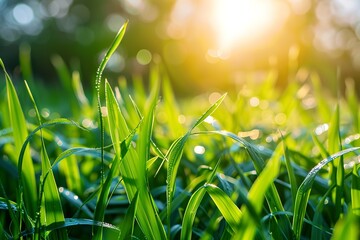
x: 133, y: 173
x: 121, y: 145
x: 355, y: 191
x: 347, y: 228
x: 117, y: 40
x: 248, y: 225
x: 226, y: 206
x: 51, y: 210
x: 337, y: 166
x: 304, y: 190
x: 127, y: 224
x: 20, y: 133
x: 174, y: 155
x: 127, y: 103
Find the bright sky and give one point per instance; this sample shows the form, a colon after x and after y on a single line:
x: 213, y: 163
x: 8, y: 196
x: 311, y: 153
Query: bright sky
x: 244, y: 23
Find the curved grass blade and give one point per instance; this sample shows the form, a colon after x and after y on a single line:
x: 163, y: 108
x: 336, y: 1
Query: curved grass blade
x: 119, y: 36
x: 54, y: 122
x: 174, y: 156
x: 304, y: 190
x: 70, y: 222
x: 18, y: 123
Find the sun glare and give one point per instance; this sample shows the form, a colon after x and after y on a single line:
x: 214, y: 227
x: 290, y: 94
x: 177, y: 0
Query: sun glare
x: 244, y: 22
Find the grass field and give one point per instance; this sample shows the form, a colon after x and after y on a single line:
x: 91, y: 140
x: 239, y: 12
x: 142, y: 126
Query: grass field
x: 128, y: 163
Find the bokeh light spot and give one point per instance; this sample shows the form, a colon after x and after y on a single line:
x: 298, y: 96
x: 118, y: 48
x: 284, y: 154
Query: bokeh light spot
x: 23, y: 14
x: 144, y: 57
x: 199, y: 149
x: 254, y: 102
x: 114, y: 22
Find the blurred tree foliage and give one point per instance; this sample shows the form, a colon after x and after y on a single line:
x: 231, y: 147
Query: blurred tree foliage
x: 320, y: 35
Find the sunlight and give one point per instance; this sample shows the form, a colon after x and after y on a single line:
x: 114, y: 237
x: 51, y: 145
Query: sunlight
x: 246, y: 23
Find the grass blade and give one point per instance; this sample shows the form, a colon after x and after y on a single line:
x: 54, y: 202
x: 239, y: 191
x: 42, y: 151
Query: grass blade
x: 20, y: 133
x: 355, y: 191
x: 226, y: 206
x: 134, y: 175
x: 337, y: 166
x: 193, y: 206
x: 51, y: 210
x: 248, y: 225
x: 127, y: 224
x: 304, y: 190
x: 291, y: 173
x: 118, y: 38
x: 174, y: 155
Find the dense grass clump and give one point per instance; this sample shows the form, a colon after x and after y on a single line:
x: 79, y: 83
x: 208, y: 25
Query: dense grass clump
x: 256, y: 163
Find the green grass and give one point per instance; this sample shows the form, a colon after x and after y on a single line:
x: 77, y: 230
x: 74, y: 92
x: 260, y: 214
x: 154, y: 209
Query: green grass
x: 133, y: 164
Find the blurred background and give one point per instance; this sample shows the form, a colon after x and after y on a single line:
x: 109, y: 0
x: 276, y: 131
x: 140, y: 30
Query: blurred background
x: 206, y: 44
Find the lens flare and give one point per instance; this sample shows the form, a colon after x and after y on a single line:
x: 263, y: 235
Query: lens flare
x: 245, y: 23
